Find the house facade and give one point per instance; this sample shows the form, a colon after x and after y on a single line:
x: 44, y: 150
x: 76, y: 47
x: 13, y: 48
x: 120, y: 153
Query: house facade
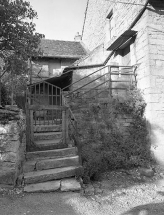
x: 56, y: 55
x: 130, y: 33
x: 47, y: 77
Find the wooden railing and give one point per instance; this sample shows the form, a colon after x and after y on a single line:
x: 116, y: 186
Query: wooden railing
x: 70, y: 127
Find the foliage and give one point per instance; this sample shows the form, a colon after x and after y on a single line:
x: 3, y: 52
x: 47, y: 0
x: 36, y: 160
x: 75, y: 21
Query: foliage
x: 5, y: 100
x: 18, y: 39
x: 114, y: 136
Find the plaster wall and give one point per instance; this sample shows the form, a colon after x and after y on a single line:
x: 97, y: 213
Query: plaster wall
x: 47, y: 68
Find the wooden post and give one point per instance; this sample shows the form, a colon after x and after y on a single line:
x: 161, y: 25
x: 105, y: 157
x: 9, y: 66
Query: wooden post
x: 65, y: 116
x: 27, y: 128
x: 31, y: 127
x: 63, y: 126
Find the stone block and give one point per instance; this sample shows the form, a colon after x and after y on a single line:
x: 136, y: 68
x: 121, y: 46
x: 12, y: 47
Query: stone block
x: 29, y: 166
x: 48, y: 175
x: 70, y: 185
x: 7, y: 165
x: 43, y: 187
x: 7, y: 176
x: 9, y: 145
x: 9, y: 156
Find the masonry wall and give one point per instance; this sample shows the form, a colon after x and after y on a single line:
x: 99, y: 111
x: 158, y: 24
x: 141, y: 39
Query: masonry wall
x: 154, y: 91
x: 123, y: 16
x: 95, y: 29
x: 146, y: 51
x: 12, y: 145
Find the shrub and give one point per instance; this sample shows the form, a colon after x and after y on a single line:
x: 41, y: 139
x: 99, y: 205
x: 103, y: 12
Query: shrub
x: 106, y: 144
x: 5, y: 100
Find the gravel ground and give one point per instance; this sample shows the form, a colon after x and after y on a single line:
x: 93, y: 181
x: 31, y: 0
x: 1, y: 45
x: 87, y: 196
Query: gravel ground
x: 119, y: 193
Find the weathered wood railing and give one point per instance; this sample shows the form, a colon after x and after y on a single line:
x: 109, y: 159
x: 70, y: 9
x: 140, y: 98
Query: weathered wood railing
x: 71, y: 127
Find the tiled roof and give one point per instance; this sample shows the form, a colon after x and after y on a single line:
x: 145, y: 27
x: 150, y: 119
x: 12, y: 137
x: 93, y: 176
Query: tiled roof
x: 62, y: 49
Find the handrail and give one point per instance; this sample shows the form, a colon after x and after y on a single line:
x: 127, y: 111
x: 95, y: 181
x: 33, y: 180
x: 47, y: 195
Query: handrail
x: 94, y: 87
x: 73, y: 116
x: 72, y: 122
x: 108, y: 66
x: 87, y: 84
x: 103, y: 66
x: 84, y: 77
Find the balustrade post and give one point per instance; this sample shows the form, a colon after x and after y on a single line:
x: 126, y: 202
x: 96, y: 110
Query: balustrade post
x: 65, y: 118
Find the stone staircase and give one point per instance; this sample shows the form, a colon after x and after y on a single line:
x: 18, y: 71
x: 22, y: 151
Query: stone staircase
x: 52, y: 165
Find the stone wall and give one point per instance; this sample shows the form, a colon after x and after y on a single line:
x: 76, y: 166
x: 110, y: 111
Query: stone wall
x: 12, y: 144
x: 154, y: 90
x: 95, y: 29
x: 146, y: 50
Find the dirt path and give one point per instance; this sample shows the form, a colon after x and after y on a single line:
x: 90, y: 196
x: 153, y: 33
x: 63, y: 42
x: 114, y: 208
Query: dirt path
x: 118, y: 193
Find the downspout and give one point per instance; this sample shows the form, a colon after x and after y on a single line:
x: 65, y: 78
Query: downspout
x: 85, y: 18
x: 110, y: 55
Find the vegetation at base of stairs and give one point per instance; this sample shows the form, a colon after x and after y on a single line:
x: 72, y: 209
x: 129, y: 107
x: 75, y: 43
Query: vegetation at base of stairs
x: 114, y: 135
x: 5, y: 100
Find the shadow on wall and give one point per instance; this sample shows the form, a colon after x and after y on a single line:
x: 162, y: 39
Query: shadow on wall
x: 148, y: 209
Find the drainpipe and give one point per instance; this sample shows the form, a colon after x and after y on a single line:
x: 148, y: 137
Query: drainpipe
x: 85, y: 18
x: 111, y: 53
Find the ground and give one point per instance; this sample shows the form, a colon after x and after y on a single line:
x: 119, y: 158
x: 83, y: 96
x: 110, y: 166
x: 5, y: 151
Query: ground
x: 118, y: 192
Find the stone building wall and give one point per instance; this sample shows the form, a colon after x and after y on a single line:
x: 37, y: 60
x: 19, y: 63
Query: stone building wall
x: 146, y: 50
x: 95, y: 29
x: 154, y: 92
x: 12, y: 145
x: 123, y: 15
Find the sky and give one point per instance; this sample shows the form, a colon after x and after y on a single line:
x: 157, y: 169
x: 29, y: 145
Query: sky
x: 59, y: 19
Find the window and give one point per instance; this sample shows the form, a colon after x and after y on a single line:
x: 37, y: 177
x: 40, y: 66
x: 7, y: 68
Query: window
x: 110, y: 25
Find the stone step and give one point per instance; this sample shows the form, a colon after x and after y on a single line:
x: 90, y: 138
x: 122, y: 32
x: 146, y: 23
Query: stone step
x: 49, y: 144
x: 69, y: 184
x: 48, y: 122
x: 38, y: 165
x: 57, y: 153
x: 47, y: 128
x: 57, y: 163
x: 47, y: 136
x: 49, y: 175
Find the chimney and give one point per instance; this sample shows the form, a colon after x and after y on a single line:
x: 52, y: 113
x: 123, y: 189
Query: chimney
x: 77, y: 37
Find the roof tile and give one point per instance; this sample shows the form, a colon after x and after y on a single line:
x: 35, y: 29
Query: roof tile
x: 62, y: 49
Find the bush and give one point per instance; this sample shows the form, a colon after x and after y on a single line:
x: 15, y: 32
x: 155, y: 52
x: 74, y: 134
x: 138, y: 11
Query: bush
x: 106, y: 145
x: 5, y: 100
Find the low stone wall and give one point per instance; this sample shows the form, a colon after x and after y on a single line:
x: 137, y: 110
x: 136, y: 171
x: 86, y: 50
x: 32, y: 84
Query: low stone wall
x: 12, y: 144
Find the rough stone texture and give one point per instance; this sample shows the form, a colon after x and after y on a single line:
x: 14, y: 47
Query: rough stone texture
x: 47, y: 136
x: 47, y: 128
x: 12, y: 144
x: 70, y: 185
x: 48, y: 175
x: 146, y: 50
x: 29, y: 166
x: 96, y: 23
x: 51, y: 154
x: 43, y: 187
x: 56, y: 163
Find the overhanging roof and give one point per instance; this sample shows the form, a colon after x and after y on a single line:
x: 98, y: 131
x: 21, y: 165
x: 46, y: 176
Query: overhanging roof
x: 114, y: 45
